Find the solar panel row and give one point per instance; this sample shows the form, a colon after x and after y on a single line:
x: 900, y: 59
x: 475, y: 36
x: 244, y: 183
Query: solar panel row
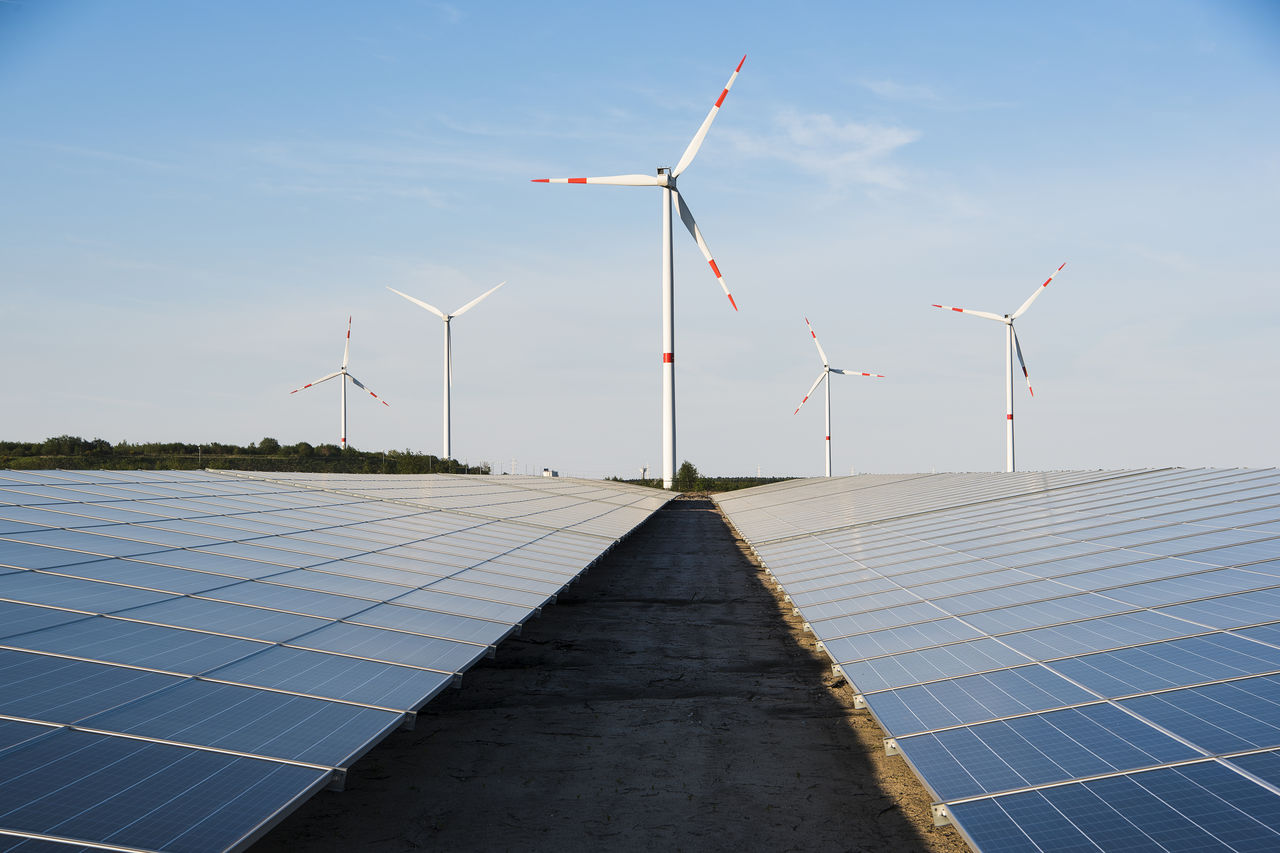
x: 1076, y: 660
x: 187, y: 656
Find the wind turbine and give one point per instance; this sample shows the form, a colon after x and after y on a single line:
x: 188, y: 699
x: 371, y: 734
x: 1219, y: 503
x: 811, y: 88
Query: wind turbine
x: 1011, y: 346
x: 827, y: 370
x: 448, y: 349
x: 342, y: 371
x: 666, y: 180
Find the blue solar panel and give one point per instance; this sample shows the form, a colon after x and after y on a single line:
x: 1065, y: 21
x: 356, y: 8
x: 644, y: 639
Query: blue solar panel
x: 118, y: 641
x: 1039, y: 749
x: 68, y: 784
x: 1116, y: 587
x: 1171, y: 664
x: 59, y: 690
x: 74, y: 594
x: 245, y: 720
x: 1230, y: 716
x: 336, y: 677
x: 974, y: 698
x: 1201, y: 806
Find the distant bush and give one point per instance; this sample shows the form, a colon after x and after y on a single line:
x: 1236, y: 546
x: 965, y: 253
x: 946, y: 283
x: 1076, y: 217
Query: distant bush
x: 688, y: 479
x: 75, y: 453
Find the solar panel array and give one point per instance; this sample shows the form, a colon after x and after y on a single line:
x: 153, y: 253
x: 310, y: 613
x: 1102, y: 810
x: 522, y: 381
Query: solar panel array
x: 1069, y: 661
x: 187, y: 656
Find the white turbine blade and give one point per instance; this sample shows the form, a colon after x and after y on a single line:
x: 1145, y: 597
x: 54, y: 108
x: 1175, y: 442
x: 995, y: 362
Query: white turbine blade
x: 346, y: 348
x: 360, y: 384
x: 858, y: 373
x: 476, y: 301
x: 433, y: 309
x: 317, y: 382
x: 986, y: 314
x: 1018, y: 348
x: 696, y: 142
x: 689, y: 223
x: 614, y: 180
x: 812, y: 388
x: 1039, y: 290
x: 815, y: 342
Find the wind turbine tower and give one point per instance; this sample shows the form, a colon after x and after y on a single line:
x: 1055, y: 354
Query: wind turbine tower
x: 1011, y: 347
x: 448, y: 351
x: 666, y: 181
x: 825, y: 376
x: 345, y: 374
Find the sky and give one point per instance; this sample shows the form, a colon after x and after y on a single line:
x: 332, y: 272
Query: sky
x: 194, y: 197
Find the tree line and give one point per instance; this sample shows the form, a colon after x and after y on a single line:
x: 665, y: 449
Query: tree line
x: 688, y: 479
x: 74, y: 453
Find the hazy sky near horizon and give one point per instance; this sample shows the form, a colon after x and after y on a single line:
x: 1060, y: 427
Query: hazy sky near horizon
x: 195, y: 196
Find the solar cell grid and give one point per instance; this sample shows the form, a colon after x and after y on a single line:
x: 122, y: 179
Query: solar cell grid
x: 1230, y: 611
x: 63, y: 785
x: 1000, y: 724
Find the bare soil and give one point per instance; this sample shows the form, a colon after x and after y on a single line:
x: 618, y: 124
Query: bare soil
x: 669, y: 701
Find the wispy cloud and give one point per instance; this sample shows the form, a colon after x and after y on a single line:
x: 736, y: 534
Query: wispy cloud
x: 894, y: 91
x: 922, y: 95
x: 364, y: 171
x: 843, y: 152
x: 449, y: 12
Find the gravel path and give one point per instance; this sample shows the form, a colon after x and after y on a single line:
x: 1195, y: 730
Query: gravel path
x: 667, y: 702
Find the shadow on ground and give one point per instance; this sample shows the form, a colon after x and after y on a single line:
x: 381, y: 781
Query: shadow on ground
x: 666, y: 702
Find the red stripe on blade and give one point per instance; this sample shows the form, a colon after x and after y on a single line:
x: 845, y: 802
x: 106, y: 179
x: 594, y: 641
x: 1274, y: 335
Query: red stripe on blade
x: 739, y: 68
x: 731, y: 302
x: 715, y: 269
x: 723, y: 95
x: 577, y: 180
x: 539, y: 180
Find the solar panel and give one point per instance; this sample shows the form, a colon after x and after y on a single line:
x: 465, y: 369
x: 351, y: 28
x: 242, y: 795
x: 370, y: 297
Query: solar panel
x: 186, y: 656
x: 1078, y: 660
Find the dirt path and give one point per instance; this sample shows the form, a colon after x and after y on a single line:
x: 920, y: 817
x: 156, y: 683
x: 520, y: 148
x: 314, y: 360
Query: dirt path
x: 664, y: 703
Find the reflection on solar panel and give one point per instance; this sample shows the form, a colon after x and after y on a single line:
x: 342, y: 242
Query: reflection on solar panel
x: 187, y: 656
x: 1069, y: 661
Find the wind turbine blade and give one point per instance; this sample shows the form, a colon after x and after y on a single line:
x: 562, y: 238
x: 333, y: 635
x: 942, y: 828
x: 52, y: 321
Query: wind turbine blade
x: 465, y: 308
x: 812, y: 388
x: 433, y: 309
x: 361, y: 385
x: 1018, y: 347
x: 317, y: 382
x: 1039, y: 290
x: 858, y: 373
x: 689, y: 223
x: 986, y: 314
x: 696, y: 142
x: 825, y: 363
x: 346, y: 348
x: 614, y: 180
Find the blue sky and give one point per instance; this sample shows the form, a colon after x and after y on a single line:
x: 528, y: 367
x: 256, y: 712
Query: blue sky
x: 197, y: 195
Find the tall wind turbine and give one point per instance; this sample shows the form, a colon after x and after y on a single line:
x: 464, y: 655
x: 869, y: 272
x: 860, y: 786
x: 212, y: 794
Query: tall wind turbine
x: 448, y: 349
x: 827, y: 370
x: 666, y: 180
x: 1011, y: 346
x: 342, y: 371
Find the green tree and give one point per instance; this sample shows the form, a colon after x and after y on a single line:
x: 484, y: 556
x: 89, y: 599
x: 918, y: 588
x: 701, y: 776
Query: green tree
x: 686, y: 477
